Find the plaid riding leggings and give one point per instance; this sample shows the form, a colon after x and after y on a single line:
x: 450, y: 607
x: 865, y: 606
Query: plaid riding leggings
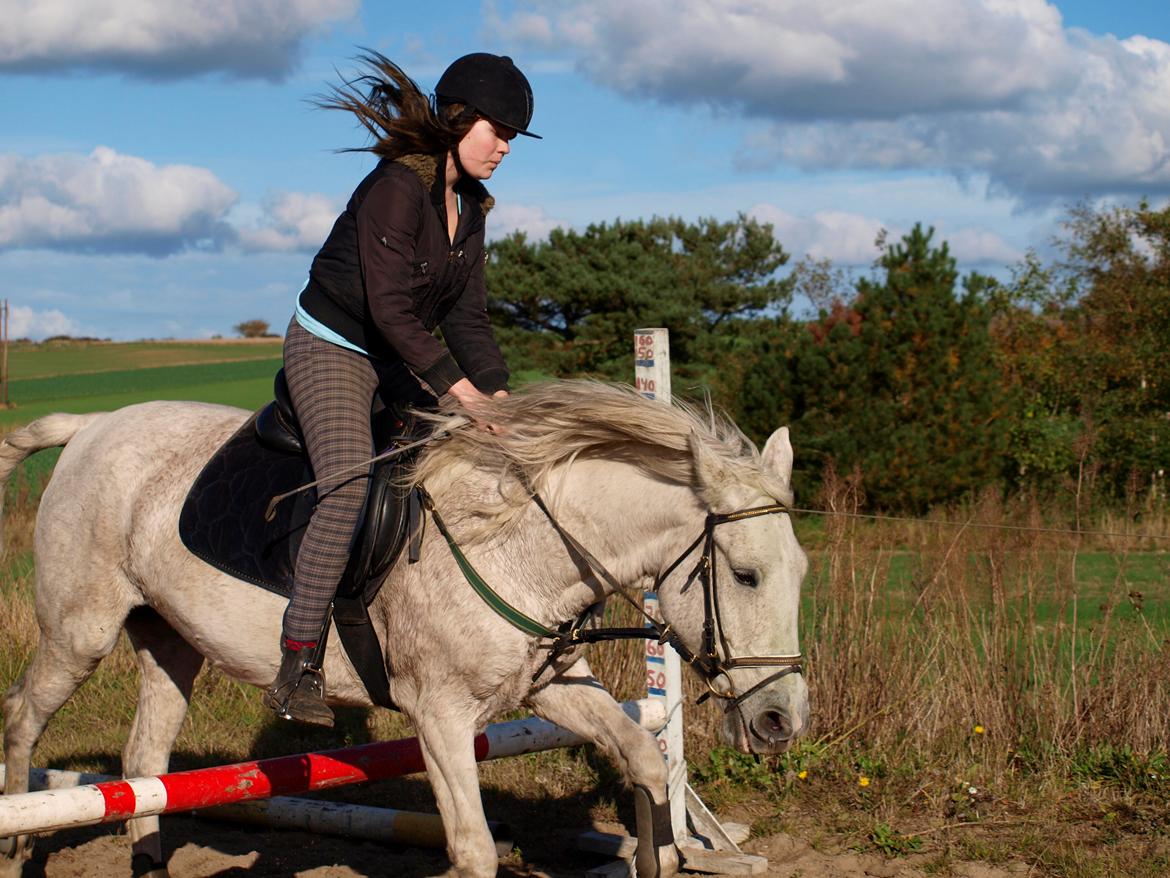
x: 332, y: 391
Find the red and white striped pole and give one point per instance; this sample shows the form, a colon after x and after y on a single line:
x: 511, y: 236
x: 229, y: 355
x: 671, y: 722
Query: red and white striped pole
x: 360, y: 822
x: 25, y: 813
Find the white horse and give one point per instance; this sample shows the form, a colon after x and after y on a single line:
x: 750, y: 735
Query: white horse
x: 633, y: 481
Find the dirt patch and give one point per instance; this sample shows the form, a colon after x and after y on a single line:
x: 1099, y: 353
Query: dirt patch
x: 203, y: 849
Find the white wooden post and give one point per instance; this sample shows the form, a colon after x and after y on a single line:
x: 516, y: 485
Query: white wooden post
x: 663, y: 666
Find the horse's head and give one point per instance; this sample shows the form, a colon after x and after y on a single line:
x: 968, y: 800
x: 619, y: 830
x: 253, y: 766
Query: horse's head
x: 676, y: 465
x: 750, y: 600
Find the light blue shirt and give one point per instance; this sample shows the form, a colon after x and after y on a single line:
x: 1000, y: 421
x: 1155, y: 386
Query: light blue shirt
x: 319, y: 329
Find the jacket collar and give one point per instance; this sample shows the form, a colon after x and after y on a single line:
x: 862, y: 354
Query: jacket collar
x: 427, y: 167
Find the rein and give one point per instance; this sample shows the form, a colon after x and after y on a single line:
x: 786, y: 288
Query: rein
x: 707, y: 663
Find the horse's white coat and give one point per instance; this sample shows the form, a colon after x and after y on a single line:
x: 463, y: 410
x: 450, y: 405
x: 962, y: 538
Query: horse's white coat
x: 109, y: 556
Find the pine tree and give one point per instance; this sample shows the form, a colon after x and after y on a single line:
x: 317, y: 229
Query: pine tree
x: 569, y: 305
x: 902, y: 382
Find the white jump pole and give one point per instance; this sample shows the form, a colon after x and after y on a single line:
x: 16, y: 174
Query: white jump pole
x: 108, y: 802
x: 663, y: 666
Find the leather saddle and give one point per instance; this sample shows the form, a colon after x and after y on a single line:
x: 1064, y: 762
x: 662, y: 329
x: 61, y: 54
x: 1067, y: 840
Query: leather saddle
x: 224, y: 521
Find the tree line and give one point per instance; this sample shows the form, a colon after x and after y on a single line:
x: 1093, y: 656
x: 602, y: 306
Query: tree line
x: 926, y: 384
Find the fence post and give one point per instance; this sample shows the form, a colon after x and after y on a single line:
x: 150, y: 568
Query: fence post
x: 663, y: 666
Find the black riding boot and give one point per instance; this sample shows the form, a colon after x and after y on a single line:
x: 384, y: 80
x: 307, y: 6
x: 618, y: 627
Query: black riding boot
x: 298, y: 692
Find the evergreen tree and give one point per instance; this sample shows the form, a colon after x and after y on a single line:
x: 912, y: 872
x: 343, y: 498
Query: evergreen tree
x: 569, y: 305
x: 901, y: 381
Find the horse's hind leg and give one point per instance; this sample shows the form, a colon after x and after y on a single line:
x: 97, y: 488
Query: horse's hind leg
x: 579, y: 703
x: 167, y: 665
x: 65, y: 658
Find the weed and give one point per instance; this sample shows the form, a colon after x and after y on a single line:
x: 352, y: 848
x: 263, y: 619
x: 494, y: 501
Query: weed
x: 1122, y: 766
x: 893, y: 843
x: 725, y: 765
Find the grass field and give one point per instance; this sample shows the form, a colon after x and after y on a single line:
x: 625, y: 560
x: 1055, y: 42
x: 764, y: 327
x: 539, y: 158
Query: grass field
x: 67, y: 358
x: 92, y: 377
x: 998, y: 696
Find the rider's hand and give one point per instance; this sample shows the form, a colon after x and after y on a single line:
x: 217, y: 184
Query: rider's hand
x: 470, y: 397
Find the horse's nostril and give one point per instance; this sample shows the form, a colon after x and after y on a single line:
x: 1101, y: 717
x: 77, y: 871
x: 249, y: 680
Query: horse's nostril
x: 771, y: 726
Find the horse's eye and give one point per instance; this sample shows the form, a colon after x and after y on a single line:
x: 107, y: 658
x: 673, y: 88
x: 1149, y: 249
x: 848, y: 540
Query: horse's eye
x: 745, y: 577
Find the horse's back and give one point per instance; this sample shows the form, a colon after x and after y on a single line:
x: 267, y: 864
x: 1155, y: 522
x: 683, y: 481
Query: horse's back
x: 125, y: 474
x: 147, y: 437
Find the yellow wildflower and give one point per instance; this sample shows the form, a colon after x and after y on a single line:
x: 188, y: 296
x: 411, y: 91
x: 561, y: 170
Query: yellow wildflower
x: 802, y: 774
x: 979, y: 730
x: 863, y: 781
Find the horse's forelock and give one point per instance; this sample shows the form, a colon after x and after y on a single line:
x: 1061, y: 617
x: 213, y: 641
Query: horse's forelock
x: 549, y: 424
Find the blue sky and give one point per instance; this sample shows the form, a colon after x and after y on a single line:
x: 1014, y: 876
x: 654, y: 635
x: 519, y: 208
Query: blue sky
x: 162, y: 174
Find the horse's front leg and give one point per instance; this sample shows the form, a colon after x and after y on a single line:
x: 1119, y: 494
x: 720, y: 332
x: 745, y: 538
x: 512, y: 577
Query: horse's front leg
x: 447, y: 737
x: 578, y: 702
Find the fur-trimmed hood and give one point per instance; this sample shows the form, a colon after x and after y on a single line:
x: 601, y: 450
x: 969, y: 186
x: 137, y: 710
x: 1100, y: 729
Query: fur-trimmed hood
x: 427, y: 169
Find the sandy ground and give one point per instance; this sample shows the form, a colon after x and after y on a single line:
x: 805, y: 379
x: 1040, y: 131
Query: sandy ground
x: 210, y: 850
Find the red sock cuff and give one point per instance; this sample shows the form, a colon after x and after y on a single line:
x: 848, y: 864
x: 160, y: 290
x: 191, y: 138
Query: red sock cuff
x: 298, y: 645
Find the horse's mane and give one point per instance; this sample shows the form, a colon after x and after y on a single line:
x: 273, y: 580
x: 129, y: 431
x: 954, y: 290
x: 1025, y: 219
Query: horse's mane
x: 548, y: 424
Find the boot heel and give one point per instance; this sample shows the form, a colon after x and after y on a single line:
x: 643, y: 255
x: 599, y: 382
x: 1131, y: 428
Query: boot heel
x: 298, y: 692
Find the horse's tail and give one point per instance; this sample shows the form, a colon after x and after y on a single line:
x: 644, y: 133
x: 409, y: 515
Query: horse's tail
x: 50, y: 431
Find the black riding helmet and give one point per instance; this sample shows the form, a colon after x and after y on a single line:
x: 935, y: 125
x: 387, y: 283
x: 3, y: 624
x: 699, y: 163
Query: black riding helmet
x: 493, y: 86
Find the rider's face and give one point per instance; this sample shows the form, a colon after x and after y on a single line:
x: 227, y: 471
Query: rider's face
x: 483, y: 148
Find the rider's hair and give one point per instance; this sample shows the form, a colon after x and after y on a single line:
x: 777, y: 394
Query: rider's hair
x: 393, y: 109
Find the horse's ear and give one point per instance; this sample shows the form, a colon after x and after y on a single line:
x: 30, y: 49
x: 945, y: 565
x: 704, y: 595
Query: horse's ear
x: 711, y: 474
x: 777, y: 456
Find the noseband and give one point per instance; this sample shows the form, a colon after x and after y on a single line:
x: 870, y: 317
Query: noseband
x: 707, y: 663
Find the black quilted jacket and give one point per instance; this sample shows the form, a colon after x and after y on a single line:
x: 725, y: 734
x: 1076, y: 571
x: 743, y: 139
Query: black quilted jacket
x: 388, y: 275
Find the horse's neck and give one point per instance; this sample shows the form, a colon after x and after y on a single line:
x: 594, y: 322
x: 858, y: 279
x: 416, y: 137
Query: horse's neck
x: 628, y: 520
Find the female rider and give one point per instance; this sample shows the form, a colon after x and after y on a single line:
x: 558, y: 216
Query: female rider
x: 406, y: 256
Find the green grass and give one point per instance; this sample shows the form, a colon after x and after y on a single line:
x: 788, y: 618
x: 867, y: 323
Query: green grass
x: 72, y: 358
x: 1130, y: 587
x: 247, y: 384
x: 1067, y: 771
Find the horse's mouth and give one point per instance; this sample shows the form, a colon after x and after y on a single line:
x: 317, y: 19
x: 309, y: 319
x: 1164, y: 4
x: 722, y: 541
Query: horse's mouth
x: 765, y: 733
x: 770, y: 732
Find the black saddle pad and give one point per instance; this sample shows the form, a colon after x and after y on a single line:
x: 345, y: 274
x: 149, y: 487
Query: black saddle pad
x: 223, y: 521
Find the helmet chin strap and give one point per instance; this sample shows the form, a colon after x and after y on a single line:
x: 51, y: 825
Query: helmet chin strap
x: 459, y: 169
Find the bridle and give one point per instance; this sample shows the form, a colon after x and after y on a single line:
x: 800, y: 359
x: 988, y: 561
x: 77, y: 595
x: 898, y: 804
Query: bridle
x: 708, y: 662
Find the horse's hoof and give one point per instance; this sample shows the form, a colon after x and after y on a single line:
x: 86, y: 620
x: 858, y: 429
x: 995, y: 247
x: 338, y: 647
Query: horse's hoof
x: 12, y: 857
x: 145, y: 866
x: 15, y: 847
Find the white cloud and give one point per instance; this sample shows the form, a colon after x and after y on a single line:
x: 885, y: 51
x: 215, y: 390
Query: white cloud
x: 838, y: 235
x: 292, y: 221
x: 534, y: 221
x: 107, y: 202
x: 155, y: 39
x: 24, y: 322
x: 979, y: 246
x: 848, y: 238
x: 992, y: 87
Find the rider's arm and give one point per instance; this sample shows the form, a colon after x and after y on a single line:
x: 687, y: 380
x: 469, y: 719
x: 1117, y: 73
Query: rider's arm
x: 387, y: 222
